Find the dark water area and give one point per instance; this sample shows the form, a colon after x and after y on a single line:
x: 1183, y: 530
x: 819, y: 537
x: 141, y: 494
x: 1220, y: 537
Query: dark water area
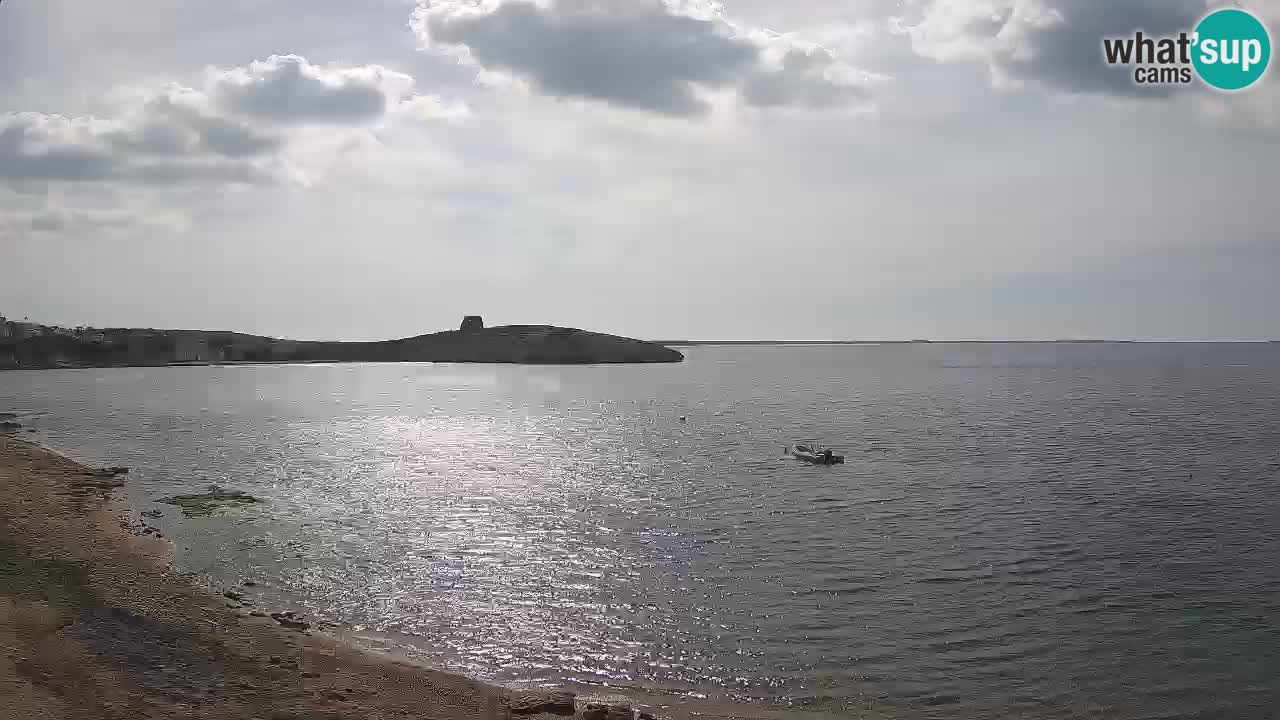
x: 1029, y: 531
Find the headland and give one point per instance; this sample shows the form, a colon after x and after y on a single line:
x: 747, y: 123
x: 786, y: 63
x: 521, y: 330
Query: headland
x: 32, y: 346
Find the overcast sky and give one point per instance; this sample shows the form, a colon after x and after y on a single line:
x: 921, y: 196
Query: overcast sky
x: 361, y: 169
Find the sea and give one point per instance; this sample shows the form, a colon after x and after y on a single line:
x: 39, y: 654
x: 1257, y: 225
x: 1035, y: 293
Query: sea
x: 1041, y: 530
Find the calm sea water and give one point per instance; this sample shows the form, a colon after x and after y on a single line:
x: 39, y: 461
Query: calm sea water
x: 1032, y: 531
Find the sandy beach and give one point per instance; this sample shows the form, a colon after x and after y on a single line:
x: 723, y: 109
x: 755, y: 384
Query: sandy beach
x: 95, y: 624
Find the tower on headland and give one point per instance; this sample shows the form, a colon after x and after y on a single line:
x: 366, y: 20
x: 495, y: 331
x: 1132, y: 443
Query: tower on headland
x: 472, y: 322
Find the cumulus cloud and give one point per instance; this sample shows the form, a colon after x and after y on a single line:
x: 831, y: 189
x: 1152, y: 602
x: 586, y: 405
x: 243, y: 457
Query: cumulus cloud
x: 270, y: 122
x: 431, y: 107
x: 235, y: 129
x: 36, y: 147
x: 1054, y: 44
x: 54, y: 148
x: 655, y: 55
x: 804, y: 75
x: 180, y: 121
x: 289, y: 89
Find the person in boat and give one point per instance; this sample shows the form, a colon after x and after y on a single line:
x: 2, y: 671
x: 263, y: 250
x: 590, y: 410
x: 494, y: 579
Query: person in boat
x: 826, y: 456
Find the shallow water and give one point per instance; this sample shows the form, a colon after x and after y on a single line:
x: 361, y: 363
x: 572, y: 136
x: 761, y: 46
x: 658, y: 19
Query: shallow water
x: 1035, y: 531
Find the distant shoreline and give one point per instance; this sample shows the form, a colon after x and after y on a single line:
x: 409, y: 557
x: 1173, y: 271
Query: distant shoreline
x: 696, y: 343
x: 25, y: 345
x: 586, y: 360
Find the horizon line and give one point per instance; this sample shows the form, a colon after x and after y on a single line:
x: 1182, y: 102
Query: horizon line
x: 1088, y: 341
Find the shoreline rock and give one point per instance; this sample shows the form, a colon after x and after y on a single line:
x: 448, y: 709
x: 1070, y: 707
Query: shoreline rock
x: 207, y: 503
x: 291, y: 621
x: 534, y: 702
x: 611, y: 711
x: 107, y: 472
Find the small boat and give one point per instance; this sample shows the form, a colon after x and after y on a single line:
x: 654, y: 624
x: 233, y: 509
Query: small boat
x: 816, y: 454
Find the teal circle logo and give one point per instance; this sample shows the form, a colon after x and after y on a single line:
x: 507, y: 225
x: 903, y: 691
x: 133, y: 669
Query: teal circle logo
x: 1232, y: 49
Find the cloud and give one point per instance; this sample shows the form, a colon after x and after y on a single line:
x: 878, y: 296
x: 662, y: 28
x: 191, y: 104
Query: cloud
x: 64, y: 220
x: 43, y: 147
x: 36, y: 147
x: 235, y: 129
x: 1052, y: 44
x: 431, y: 107
x: 289, y: 89
x: 69, y: 219
x: 804, y: 75
x: 650, y: 55
x: 180, y: 121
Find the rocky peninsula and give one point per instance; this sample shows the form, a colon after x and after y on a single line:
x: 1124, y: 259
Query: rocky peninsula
x: 27, y: 345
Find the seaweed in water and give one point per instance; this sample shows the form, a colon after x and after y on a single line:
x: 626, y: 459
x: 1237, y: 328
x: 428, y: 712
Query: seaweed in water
x: 207, y: 503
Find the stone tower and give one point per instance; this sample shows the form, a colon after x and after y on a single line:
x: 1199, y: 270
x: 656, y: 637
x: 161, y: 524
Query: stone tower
x: 472, y: 322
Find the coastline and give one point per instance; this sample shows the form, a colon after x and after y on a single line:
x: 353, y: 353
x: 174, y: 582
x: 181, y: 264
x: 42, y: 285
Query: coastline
x: 31, y: 345
x: 94, y: 623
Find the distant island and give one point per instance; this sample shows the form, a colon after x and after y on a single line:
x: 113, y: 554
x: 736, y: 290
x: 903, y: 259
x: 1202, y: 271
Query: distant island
x: 31, y: 345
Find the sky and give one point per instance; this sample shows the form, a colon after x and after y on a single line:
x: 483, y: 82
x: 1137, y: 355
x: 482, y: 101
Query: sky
x: 752, y: 169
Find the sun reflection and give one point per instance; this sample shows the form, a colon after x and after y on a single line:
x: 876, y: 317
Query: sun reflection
x: 487, y: 535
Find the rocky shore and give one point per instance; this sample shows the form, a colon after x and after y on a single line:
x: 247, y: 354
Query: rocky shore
x: 96, y: 625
